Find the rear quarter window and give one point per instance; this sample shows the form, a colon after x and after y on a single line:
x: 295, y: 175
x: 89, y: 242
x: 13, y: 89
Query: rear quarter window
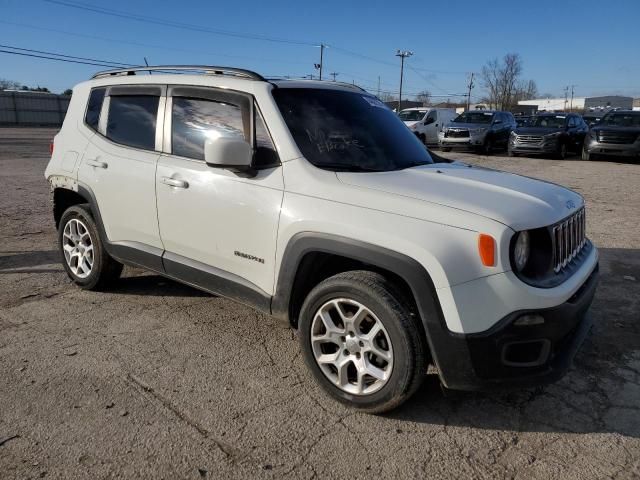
x: 94, y: 106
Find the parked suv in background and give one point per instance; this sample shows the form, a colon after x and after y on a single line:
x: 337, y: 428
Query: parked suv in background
x: 549, y: 133
x: 616, y: 135
x: 427, y: 123
x: 312, y: 202
x: 482, y: 130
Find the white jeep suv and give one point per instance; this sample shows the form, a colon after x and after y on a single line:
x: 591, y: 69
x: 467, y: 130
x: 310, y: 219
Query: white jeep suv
x: 311, y: 201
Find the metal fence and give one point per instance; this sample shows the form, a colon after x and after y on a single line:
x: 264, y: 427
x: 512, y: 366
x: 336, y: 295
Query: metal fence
x: 32, y: 108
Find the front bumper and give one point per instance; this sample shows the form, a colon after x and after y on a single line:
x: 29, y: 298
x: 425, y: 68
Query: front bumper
x: 472, y: 141
x: 628, y: 150
x: 543, y: 147
x: 510, y: 355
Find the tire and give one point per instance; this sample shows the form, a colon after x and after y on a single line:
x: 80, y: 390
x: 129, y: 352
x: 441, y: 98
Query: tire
x: 445, y: 149
x: 561, y: 154
x: 487, y: 147
x: 399, y: 338
x: 586, y: 156
x: 82, y: 252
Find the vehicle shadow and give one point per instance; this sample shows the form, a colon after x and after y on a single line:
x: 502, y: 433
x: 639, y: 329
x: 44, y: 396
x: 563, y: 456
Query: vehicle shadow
x: 600, y: 393
x: 155, y: 285
x: 29, y: 262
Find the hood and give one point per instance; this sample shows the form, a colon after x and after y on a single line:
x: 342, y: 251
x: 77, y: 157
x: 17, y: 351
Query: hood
x: 513, y: 200
x: 537, y: 130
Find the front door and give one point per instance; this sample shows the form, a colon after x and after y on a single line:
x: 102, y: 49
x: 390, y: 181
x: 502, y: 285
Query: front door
x: 217, y: 226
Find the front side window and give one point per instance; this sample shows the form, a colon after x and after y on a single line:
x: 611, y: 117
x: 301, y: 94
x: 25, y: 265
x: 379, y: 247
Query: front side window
x: 195, y: 120
x: 94, y: 105
x: 265, y: 152
x: 432, y: 116
x: 348, y: 131
x: 132, y: 120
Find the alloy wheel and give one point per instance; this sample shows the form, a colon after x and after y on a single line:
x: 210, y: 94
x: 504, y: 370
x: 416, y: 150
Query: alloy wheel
x: 77, y: 246
x: 351, y: 346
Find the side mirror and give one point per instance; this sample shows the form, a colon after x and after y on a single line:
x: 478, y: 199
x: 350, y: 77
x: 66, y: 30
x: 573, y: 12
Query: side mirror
x: 429, y: 121
x: 228, y: 152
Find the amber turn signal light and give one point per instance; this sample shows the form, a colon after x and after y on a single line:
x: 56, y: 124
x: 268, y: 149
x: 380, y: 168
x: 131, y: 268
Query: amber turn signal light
x: 487, y: 250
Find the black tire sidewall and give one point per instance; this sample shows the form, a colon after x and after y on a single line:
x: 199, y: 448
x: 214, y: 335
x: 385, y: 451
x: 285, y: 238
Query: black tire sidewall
x: 83, y: 214
x: 404, y: 358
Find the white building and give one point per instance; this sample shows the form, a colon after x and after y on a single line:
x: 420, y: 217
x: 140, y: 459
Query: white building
x: 551, y: 104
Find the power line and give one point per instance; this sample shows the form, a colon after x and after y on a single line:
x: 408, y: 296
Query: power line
x: 170, y: 23
x: 148, y: 45
x: 116, y: 64
x: 58, y: 59
x: 200, y: 28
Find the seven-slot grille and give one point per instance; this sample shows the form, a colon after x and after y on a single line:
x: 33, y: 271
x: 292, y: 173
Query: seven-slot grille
x: 532, y: 139
x: 457, y: 133
x: 569, y: 239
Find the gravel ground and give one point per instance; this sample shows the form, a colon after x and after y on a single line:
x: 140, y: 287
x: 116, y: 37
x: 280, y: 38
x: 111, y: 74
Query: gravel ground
x: 157, y: 380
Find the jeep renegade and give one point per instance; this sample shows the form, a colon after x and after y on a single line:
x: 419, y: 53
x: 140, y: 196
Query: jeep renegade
x: 311, y: 201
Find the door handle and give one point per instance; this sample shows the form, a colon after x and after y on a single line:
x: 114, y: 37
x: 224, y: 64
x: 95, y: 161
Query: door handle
x: 172, y: 182
x: 93, y: 162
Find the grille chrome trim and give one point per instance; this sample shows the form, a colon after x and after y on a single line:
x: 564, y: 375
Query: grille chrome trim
x: 568, y: 239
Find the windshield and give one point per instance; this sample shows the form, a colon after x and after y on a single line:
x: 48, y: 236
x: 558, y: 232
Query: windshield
x: 549, y: 121
x: 412, y: 115
x: 474, y: 117
x: 621, y: 120
x: 348, y: 131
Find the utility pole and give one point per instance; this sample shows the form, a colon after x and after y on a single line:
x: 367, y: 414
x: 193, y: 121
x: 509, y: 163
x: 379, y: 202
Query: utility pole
x: 402, y: 54
x: 333, y: 74
x: 566, y: 95
x: 470, y: 86
x: 319, y: 65
x: 571, y: 104
x: 378, y: 86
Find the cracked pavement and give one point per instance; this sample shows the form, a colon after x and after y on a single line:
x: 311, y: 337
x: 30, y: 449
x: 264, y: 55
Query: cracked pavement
x: 156, y: 380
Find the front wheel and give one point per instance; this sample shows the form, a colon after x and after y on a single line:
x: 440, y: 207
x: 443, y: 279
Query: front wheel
x: 83, y: 255
x: 487, y: 147
x: 445, y: 149
x: 361, y: 342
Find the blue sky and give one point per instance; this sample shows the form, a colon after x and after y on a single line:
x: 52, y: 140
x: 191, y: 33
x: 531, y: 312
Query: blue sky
x: 591, y: 44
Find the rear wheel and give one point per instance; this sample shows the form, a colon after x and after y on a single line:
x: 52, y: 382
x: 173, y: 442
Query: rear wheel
x: 361, y: 342
x: 83, y: 255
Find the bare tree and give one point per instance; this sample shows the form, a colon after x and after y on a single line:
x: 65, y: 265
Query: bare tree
x: 424, y: 97
x: 503, y: 84
x: 8, y: 84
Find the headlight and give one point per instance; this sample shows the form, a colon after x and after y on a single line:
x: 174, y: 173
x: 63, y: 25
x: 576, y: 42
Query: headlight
x: 553, y: 135
x: 513, y: 134
x: 521, y: 250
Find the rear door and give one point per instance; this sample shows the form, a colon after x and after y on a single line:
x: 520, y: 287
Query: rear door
x: 119, y: 165
x: 218, y: 227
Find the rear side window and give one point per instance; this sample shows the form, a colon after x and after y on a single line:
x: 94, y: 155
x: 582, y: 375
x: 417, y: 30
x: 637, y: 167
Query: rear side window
x: 94, y: 105
x: 194, y: 120
x: 132, y: 120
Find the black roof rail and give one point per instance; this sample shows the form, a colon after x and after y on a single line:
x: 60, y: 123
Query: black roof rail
x: 202, y: 69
